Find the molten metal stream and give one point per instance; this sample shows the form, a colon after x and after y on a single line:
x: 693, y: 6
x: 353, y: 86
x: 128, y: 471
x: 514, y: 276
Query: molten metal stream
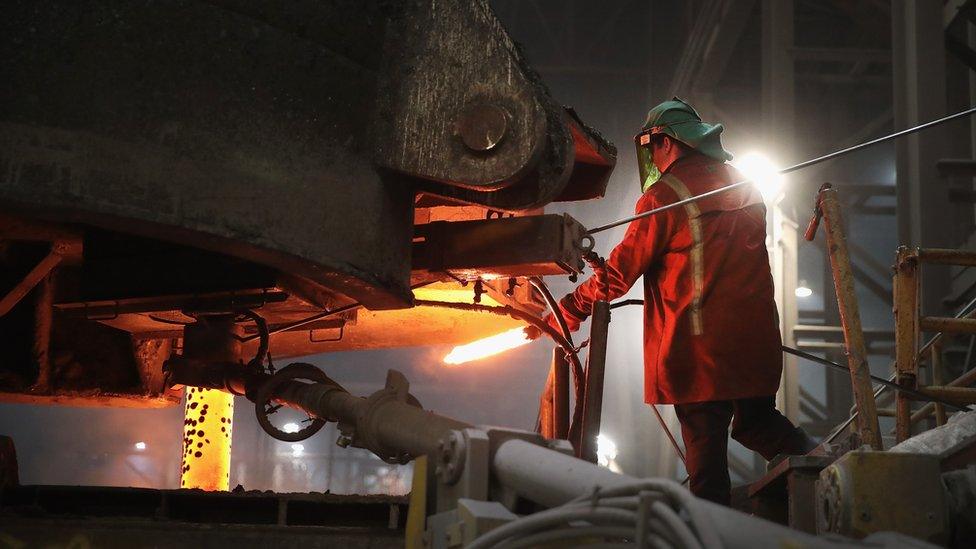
x: 488, y: 346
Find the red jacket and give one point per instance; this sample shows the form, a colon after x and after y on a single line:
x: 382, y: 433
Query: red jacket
x: 710, y: 323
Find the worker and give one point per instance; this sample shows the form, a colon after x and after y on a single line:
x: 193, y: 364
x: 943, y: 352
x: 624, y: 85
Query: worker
x: 711, y: 335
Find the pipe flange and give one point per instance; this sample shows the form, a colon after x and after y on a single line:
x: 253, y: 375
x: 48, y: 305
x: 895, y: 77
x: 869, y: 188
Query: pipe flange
x: 265, y: 394
x: 829, y: 500
x: 450, y: 458
x: 362, y: 437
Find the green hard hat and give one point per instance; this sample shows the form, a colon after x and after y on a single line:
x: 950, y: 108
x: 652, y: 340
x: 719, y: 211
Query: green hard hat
x: 680, y: 121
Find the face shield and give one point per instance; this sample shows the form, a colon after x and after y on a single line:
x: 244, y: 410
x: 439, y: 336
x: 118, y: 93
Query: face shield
x: 646, y: 169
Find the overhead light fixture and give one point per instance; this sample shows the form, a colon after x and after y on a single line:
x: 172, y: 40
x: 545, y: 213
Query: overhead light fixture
x: 763, y: 173
x: 140, y: 446
x: 802, y: 290
x: 487, y: 347
x: 290, y: 427
x: 297, y: 450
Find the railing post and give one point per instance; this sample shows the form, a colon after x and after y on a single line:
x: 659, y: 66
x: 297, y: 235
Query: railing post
x: 906, y: 336
x: 595, y: 369
x: 936, y: 363
x: 843, y: 275
x: 560, y: 394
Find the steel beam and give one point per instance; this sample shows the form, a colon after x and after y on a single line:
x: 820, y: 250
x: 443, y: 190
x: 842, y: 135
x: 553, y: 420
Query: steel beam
x: 31, y: 279
x: 918, y: 47
x: 778, y: 79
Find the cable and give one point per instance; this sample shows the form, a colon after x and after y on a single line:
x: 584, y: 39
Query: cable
x: 563, y: 534
x: 676, y: 525
x: 264, y: 338
x: 579, y: 387
x: 557, y: 516
x: 305, y: 321
x: 667, y: 516
x: 556, y: 311
x: 889, y: 384
x: 790, y: 169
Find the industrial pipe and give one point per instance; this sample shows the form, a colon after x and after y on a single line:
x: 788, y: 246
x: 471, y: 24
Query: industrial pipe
x: 390, y: 422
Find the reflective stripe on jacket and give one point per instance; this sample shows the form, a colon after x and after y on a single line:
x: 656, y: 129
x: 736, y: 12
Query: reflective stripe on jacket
x: 710, y: 322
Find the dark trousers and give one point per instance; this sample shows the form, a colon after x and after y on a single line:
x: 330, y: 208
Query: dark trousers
x: 756, y: 424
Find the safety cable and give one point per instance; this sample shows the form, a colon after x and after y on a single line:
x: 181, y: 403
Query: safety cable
x: 793, y: 168
x: 823, y: 361
x: 918, y: 395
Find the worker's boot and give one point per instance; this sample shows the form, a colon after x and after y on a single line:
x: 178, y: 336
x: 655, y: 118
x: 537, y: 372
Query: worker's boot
x: 799, y: 443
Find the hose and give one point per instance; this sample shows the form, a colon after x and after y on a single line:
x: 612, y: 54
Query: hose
x: 547, y: 519
x: 557, y: 312
x: 264, y: 338
x: 563, y: 534
x: 673, y: 518
x: 579, y: 388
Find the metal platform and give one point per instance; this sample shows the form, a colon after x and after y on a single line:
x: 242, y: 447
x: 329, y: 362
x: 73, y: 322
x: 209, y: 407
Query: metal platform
x: 138, y: 517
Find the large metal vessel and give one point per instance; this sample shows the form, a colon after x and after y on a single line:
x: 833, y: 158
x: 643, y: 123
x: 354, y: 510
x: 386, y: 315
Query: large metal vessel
x: 165, y: 161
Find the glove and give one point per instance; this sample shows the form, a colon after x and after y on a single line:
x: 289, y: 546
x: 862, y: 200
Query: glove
x: 532, y: 333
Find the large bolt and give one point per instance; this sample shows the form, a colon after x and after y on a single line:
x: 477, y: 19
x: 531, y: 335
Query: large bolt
x: 482, y: 126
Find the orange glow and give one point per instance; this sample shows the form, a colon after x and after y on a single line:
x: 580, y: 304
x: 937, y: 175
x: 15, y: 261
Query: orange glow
x: 450, y: 294
x: 206, y: 439
x: 488, y: 346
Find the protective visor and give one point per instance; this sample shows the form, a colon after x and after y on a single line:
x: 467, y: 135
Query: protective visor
x: 646, y: 169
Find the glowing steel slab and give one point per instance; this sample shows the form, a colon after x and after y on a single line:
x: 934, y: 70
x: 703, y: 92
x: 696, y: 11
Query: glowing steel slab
x: 487, y: 347
x: 207, y: 434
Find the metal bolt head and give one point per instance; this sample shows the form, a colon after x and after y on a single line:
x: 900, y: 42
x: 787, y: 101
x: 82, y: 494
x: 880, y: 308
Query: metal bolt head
x: 482, y: 126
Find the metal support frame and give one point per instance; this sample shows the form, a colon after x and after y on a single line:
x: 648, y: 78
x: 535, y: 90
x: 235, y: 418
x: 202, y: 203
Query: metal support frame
x: 31, y: 279
x: 784, y: 251
x: 906, y: 285
x: 554, y: 404
x: 908, y: 325
x: 595, y: 370
x: 936, y: 373
x: 919, y: 76
x: 843, y: 276
x: 560, y: 394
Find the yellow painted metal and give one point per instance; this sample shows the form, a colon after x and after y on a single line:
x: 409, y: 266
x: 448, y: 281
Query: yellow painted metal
x: 417, y: 513
x: 865, y: 492
x: 207, y: 435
